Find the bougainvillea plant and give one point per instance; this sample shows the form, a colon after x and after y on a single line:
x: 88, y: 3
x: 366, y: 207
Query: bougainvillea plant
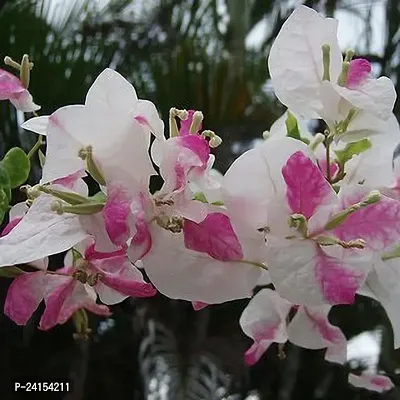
x: 316, y: 216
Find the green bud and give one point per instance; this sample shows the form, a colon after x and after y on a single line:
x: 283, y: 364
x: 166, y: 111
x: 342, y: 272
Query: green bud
x: 81, y: 323
x: 25, y: 71
x: 69, y: 197
x: 79, y: 209
x: 299, y: 222
x: 342, y: 80
x: 92, y: 167
x: 373, y: 197
x: 349, y: 55
x: 326, y: 59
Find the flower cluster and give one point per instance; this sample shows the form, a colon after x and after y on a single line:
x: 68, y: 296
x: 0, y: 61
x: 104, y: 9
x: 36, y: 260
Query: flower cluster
x: 316, y: 216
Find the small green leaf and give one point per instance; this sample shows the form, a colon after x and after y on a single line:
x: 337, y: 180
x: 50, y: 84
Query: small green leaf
x: 351, y: 150
x: 292, y: 127
x: 18, y: 166
x: 10, y: 272
x: 200, y: 196
x: 217, y: 203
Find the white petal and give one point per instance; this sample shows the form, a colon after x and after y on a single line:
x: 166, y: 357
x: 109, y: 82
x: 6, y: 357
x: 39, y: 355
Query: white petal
x: 112, y: 91
x: 146, y: 109
x: 24, y: 102
x: 41, y: 233
x: 37, y: 125
x: 18, y: 210
x: 265, y: 279
x: 109, y: 295
x: 62, y: 148
x: 255, y: 178
x: 180, y: 273
x: 374, y: 166
x: 311, y: 329
x: 383, y: 284
x: 265, y: 309
x: 301, y: 38
x: 375, y: 96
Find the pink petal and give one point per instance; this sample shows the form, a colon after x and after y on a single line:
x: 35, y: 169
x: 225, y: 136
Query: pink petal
x: 141, y: 241
x: 116, y: 214
x: 377, y: 383
x: 198, y: 145
x: 214, y: 236
x: 337, y: 282
x: 264, y: 320
x: 142, y: 120
x: 359, y: 71
x: 378, y: 224
x: 323, y: 167
x: 307, y: 188
x: 332, y: 335
x: 10, y: 85
x: 54, y: 304
x: 82, y: 296
x: 24, y: 296
x: 10, y: 226
x: 91, y: 254
x: 199, y: 305
x: 128, y: 287
x: 70, y: 180
x: 255, y: 352
x: 185, y: 125
x: 120, y: 275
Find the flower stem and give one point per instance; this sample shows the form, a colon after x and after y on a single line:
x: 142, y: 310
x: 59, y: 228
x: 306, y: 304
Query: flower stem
x: 327, y: 143
x: 36, y: 147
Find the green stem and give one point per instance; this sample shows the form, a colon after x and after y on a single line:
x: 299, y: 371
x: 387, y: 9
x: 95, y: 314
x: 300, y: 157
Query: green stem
x: 328, y: 159
x: 36, y: 147
x: 254, y: 263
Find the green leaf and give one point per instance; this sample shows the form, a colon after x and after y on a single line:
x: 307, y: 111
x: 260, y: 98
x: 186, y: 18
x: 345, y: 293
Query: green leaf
x: 5, y: 182
x: 292, y: 128
x: 351, y: 150
x: 217, y: 203
x: 4, y: 203
x: 10, y: 272
x: 18, y: 166
x: 200, y: 196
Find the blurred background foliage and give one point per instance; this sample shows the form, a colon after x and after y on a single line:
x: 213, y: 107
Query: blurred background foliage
x: 187, y: 54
